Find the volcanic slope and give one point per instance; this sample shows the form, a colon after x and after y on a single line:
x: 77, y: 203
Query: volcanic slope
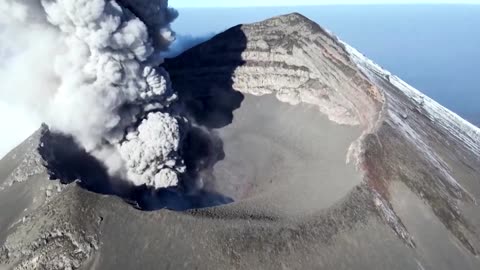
x: 332, y: 163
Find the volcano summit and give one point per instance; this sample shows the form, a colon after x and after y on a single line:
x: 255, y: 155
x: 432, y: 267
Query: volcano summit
x: 299, y: 153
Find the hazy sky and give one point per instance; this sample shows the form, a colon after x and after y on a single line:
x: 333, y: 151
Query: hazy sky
x: 226, y: 3
x: 18, y: 123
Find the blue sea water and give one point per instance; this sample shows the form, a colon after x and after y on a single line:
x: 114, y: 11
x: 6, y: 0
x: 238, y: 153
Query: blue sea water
x: 435, y: 48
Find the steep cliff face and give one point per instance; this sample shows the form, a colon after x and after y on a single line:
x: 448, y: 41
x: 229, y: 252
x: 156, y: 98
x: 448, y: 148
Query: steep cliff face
x: 289, y: 56
x: 409, y: 203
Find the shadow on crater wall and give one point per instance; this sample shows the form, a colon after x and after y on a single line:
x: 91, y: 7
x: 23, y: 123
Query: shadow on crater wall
x: 202, y: 77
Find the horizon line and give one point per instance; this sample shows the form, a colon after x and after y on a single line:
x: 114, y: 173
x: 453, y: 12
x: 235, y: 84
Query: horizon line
x: 336, y: 4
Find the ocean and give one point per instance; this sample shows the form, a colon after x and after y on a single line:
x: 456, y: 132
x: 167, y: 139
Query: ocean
x: 435, y: 48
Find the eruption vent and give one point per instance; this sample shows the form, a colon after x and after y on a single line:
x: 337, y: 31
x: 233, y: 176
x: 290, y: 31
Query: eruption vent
x: 90, y: 69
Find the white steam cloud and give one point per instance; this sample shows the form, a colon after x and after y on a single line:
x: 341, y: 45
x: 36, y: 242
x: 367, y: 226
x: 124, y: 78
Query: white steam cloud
x: 89, y: 68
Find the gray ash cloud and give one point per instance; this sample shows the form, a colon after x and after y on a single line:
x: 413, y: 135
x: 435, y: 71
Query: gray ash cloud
x: 90, y: 69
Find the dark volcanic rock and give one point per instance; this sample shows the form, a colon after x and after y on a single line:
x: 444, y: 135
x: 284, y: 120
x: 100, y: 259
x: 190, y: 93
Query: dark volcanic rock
x: 411, y: 204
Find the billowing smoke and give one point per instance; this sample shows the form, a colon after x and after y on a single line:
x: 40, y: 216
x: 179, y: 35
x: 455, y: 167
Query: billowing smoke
x: 90, y: 69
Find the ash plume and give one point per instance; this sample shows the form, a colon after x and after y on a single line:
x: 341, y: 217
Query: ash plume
x: 90, y: 69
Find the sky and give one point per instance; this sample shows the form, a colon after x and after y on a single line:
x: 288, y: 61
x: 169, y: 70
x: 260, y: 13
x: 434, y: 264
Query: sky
x: 246, y: 3
x: 18, y: 122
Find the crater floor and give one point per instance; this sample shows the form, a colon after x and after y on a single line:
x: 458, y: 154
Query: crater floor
x: 284, y: 158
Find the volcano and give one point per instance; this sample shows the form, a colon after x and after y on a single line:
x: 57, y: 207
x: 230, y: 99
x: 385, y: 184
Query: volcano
x: 310, y: 156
